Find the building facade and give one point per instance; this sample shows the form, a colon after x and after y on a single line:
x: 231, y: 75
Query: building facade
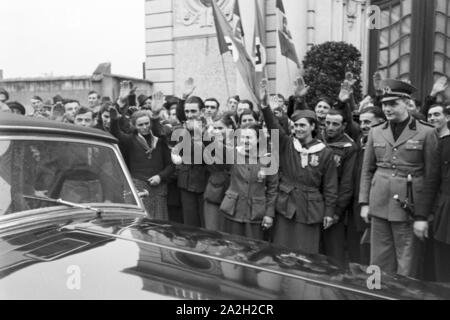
x: 408, y: 39
x: 181, y: 41
x: 72, y: 87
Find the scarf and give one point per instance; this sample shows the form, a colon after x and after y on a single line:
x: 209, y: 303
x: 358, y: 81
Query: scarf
x: 305, y: 152
x: 144, y: 144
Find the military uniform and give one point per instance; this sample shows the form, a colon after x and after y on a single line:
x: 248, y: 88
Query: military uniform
x: 345, y: 155
x: 307, y: 191
x: 387, y: 164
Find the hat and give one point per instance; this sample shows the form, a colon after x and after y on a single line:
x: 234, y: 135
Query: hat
x: 5, y: 93
x: 16, y: 105
x: 106, y: 99
x: 302, y: 114
x: 396, y: 89
x: 142, y: 98
x: 57, y: 99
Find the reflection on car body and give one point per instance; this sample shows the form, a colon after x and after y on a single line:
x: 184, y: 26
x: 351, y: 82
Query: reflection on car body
x: 121, y: 254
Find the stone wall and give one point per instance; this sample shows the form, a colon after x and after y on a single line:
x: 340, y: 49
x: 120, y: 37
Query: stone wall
x: 181, y: 40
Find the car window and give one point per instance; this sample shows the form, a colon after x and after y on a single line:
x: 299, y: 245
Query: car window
x: 72, y: 171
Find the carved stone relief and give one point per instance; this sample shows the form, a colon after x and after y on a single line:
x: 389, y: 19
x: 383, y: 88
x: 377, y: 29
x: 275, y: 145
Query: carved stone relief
x: 195, y: 17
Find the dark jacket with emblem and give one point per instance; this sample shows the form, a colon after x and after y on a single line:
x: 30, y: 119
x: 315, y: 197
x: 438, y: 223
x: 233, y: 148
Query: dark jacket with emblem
x: 437, y: 187
x: 387, y: 164
x: 191, y: 177
x: 306, y: 195
x: 345, y: 156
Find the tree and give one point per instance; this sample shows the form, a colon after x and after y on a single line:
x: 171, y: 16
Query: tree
x: 325, y: 67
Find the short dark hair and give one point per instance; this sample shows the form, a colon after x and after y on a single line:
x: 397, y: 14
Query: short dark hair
x: 213, y: 100
x: 94, y: 92
x: 248, y: 113
x: 235, y: 98
x: 84, y: 110
x: 105, y: 108
x: 71, y: 101
x: 376, y: 111
x: 5, y: 93
x: 140, y: 114
x: 437, y: 105
x: 196, y: 100
x: 337, y: 112
x: 279, y: 95
x: 315, y: 132
x: 171, y: 101
x: 326, y: 100
x: 247, y: 102
x: 37, y: 98
x: 227, y: 119
x: 16, y: 105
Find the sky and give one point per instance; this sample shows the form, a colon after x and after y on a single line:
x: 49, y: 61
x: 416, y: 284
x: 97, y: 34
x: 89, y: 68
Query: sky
x: 71, y: 37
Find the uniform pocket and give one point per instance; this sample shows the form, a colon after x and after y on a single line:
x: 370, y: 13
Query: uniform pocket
x: 315, y: 207
x: 380, y: 150
x: 258, y: 208
x: 414, y: 146
x: 228, y: 205
x: 283, y: 200
x: 216, y: 187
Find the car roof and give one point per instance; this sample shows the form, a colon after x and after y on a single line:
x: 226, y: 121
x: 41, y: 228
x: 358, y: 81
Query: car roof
x: 12, y: 123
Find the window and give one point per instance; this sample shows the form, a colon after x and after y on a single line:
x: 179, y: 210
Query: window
x: 413, y: 42
x: 71, y: 171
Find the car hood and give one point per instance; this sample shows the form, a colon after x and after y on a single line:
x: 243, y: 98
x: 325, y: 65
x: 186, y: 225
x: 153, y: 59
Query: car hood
x: 125, y: 257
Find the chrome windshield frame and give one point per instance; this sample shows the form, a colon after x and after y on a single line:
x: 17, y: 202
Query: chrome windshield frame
x: 114, y: 147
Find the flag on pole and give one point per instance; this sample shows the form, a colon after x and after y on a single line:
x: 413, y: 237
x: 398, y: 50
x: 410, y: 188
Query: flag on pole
x: 229, y: 41
x: 238, y: 30
x: 259, y: 44
x: 286, y: 42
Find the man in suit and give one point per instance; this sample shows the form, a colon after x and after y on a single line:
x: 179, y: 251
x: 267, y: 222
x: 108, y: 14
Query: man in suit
x: 399, y: 149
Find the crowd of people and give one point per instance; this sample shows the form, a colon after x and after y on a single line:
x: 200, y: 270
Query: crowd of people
x: 360, y: 181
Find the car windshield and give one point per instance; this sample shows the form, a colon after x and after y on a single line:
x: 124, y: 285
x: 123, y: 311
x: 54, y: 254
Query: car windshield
x: 72, y: 171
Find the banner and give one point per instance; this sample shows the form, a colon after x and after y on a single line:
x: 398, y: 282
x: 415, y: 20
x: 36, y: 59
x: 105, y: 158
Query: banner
x: 286, y: 42
x: 230, y: 39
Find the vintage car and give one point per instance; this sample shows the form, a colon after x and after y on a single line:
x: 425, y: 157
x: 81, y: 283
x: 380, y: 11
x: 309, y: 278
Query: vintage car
x: 72, y: 226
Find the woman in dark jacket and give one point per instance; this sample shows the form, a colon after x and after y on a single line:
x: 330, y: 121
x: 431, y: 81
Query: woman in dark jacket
x: 149, y: 161
x: 309, y: 183
x: 219, y: 176
x: 248, y: 208
x: 436, y: 194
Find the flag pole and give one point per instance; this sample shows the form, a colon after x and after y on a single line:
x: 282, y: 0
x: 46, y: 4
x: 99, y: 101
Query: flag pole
x: 226, y: 77
x: 288, y: 71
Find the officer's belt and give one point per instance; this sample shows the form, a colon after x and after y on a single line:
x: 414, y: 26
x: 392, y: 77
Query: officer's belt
x: 299, y: 186
x: 399, y: 172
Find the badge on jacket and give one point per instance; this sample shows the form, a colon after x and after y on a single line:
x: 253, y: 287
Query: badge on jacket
x: 314, y: 161
x: 338, y: 160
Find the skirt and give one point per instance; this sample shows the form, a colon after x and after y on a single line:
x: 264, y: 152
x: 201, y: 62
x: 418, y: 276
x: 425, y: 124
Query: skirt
x: 156, y: 203
x: 296, y: 236
x: 242, y: 229
x: 212, y: 216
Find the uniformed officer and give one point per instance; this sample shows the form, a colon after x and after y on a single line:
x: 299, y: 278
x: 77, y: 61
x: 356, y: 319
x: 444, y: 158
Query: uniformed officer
x: 345, y: 155
x: 400, y: 148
